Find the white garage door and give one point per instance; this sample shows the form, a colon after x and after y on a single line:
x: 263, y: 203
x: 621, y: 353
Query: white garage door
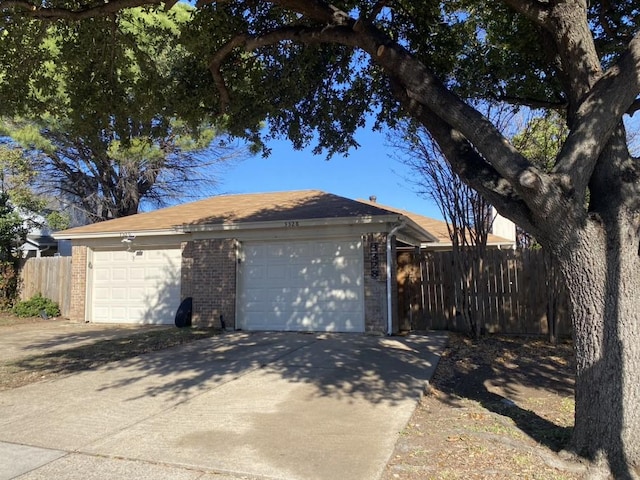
x: 141, y: 286
x: 302, y: 286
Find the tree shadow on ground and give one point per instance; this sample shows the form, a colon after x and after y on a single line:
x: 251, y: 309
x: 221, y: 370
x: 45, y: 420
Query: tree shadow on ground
x: 501, y: 372
x: 346, y: 366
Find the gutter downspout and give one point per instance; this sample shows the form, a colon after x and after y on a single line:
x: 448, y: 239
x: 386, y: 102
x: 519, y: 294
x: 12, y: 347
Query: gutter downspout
x: 392, y: 233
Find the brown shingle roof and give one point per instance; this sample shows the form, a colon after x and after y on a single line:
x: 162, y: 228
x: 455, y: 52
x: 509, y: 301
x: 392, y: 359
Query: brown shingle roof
x: 233, y: 209
x: 437, y: 228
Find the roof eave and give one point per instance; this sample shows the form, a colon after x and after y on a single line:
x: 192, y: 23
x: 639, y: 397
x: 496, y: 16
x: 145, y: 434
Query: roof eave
x: 123, y: 234
x: 292, y: 223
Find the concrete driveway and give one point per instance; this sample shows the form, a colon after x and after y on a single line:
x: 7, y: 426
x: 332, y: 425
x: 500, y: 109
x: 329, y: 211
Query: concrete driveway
x: 260, y: 405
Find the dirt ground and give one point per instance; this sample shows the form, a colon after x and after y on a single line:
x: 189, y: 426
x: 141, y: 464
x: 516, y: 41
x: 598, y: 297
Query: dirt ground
x: 498, y: 408
x: 78, y: 349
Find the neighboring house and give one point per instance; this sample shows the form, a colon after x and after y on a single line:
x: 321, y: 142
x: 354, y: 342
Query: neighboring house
x: 39, y: 243
x: 300, y: 261
x: 503, y: 232
x: 503, y: 227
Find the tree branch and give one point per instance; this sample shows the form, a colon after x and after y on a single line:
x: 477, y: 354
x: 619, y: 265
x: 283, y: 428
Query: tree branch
x: 425, y: 88
x: 600, y: 112
x: 215, y: 67
x: 33, y: 10
x: 635, y: 106
x: 474, y: 170
x: 532, y: 9
x: 300, y: 34
x: 420, y: 84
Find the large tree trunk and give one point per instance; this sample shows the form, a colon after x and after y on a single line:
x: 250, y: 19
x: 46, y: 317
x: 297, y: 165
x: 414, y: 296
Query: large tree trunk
x: 601, y: 268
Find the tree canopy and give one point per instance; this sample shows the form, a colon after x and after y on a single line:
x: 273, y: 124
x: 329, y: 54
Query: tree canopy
x: 313, y: 70
x: 96, y: 118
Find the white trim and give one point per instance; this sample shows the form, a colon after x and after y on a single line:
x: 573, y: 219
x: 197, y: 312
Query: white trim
x: 97, y: 235
x: 390, y: 236
x: 287, y: 224
x: 281, y: 229
x: 88, y: 298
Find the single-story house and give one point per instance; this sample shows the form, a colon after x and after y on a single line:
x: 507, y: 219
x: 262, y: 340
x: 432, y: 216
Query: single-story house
x: 39, y: 243
x: 295, y: 261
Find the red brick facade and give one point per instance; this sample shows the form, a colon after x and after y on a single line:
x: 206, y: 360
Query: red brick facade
x: 78, y: 283
x: 209, y: 277
x: 375, y: 282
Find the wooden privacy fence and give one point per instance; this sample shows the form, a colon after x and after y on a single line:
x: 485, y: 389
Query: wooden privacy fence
x: 515, y: 294
x: 50, y: 277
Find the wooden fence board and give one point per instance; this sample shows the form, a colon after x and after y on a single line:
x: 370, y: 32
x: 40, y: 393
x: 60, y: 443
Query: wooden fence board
x: 511, y: 293
x: 49, y: 277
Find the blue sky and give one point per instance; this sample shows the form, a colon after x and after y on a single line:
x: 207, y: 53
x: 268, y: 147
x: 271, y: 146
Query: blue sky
x: 369, y: 170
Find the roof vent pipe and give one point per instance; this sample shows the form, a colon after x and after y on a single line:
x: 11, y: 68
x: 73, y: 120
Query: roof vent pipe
x: 390, y: 235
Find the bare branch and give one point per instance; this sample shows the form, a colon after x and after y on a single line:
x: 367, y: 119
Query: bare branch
x: 469, y: 165
x: 425, y: 88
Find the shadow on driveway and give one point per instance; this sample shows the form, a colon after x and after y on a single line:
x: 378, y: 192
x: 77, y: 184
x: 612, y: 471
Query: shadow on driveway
x: 376, y: 369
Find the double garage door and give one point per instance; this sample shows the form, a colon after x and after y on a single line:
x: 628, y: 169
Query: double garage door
x: 286, y: 285
x: 141, y: 286
x: 301, y: 286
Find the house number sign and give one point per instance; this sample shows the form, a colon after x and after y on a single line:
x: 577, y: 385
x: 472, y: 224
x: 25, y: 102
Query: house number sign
x: 374, y: 260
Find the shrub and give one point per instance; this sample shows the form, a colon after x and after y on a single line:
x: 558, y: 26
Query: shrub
x: 37, y: 306
x: 8, y: 284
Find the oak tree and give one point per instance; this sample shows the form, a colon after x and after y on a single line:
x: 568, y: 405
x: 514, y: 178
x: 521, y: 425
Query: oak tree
x: 314, y: 70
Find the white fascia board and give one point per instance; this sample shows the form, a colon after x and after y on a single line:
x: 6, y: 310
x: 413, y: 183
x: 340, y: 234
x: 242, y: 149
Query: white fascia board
x: 98, y: 235
x: 409, y: 240
x: 290, y: 224
x: 448, y: 245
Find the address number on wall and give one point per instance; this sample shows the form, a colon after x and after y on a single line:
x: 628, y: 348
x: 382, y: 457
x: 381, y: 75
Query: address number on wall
x: 292, y: 224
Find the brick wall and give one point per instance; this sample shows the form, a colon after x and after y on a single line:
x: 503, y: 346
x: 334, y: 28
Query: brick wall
x: 209, y: 277
x: 78, y: 283
x: 375, y: 283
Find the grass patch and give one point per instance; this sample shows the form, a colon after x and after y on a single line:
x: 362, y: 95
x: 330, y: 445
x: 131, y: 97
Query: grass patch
x: 34, y: 368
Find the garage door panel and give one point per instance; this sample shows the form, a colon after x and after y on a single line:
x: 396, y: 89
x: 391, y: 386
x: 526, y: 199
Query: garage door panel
x: 136, y: 287
x: 118, y: 314
x: 277, y: 272
x: 308, y: 286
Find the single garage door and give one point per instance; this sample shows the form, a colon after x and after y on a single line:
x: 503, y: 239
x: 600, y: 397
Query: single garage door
x: 301, y: 286
x: 141, y: 286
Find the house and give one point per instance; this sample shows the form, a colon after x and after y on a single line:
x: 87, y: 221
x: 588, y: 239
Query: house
x: 502, y: 234
x: 297, y: 261
x: 38, y: 243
